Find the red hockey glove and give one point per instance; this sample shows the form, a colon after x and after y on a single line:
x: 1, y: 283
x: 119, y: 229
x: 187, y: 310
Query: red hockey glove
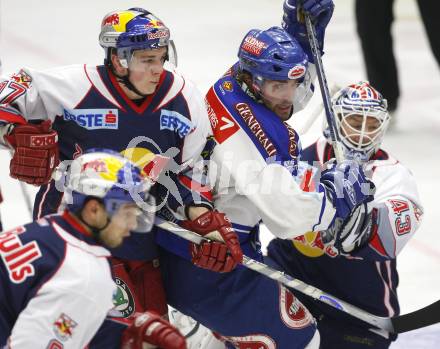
x: 150, y: 328
x: 222, y: 255
x: 36, y: 152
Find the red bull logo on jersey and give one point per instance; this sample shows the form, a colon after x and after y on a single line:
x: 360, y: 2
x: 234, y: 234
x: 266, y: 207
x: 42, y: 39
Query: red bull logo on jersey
x: 63, y: 327
x: 312, y: 245
x: 93, y: 119
x: 22, y: 78
x: 18, y: 257
x: 174, y: 121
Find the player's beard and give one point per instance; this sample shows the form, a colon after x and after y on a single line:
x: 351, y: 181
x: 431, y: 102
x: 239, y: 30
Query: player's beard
x: 283, y: 110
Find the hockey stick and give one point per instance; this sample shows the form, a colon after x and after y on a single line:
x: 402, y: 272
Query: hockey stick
x: 315, y: 113
x: 26, y: 196
x: 329, y: 114
x: 423, y: 317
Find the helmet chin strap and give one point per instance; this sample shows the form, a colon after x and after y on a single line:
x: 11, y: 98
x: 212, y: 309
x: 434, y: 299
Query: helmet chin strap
x: 94, y: 230
x: 251, y: 91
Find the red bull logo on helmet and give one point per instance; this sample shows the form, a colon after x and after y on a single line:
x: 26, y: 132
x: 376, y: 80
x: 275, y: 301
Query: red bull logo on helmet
x: 105, y: 168
x: 155, y: 23
x: 118, y: 20
x: 158, y: 35
x: 113, y: 19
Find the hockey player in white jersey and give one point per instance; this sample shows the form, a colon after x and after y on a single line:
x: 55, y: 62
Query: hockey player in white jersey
x: 254, y: 168
x: 358, y: 262
x: 56, y: 283
x: 134, y: 104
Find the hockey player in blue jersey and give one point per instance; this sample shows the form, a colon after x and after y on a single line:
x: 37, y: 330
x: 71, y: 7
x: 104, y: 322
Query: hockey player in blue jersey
x: 360, y: 266
x: 253, y: 169
x: 56, y: 283
x: 132, y: 104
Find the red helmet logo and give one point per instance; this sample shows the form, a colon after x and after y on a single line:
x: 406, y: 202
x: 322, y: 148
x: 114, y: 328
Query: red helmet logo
x: 297, y: 72
x: 113, y: 19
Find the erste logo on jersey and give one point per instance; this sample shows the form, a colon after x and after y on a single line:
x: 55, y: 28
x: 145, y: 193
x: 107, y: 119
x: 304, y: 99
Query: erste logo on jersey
x: 174, y: 121
x: 93, y: 119
x: 17, y: 257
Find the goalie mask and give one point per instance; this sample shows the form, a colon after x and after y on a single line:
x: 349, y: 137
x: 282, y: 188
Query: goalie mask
x: 274, y: 57
x: 361, y: 118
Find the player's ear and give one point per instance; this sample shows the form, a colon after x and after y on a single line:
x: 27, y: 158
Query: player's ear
x: 92, y: 210
x: 116, y: 62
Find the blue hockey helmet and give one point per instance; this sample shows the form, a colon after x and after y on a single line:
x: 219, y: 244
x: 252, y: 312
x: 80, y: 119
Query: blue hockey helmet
x: 131, y: 30
x: 107, y: 176
x: 272, y: 54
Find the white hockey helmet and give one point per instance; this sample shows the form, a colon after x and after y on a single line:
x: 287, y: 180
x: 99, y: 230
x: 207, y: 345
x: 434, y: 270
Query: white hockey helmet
x: 361, y: 118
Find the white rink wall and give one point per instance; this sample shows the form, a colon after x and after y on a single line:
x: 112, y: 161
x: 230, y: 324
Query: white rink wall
x: 50, y: 33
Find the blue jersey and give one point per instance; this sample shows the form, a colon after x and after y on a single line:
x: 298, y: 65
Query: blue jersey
x: 253, y: 169
x: 56, y: 285
x: 90, y: 110
x: 247, y: 309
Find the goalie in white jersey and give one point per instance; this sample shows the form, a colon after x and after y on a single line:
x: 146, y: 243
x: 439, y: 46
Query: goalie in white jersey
x: 360, y: 265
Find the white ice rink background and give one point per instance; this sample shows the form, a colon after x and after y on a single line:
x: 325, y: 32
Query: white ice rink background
x: 42, y: 34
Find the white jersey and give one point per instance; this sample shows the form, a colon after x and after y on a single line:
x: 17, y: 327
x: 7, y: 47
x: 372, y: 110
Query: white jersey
x: 57, y: 286
x: 89, y: 110
x: 396, y: 199
x: 255, y: 165
x: 91, y: 98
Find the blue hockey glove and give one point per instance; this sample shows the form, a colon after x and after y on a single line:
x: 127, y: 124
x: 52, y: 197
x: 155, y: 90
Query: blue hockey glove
x: 320, y: 12
x: 347, y: 188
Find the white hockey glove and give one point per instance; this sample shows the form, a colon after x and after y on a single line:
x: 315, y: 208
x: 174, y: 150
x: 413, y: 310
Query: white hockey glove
x: 353, y: 233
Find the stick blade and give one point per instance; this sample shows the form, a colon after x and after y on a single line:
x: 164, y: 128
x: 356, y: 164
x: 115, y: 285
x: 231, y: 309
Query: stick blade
x: 426, y: 316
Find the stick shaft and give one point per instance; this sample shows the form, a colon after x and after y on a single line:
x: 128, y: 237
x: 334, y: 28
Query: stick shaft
x: 311, y: 291
x: 329, y: 114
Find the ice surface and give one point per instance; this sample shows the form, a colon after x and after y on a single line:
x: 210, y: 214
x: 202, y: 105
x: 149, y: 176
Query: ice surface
x: 207, y: 34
